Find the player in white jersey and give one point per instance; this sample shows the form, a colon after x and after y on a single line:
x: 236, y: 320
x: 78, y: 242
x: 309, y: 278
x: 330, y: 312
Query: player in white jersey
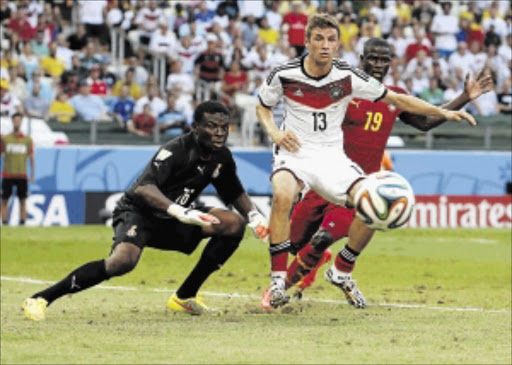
x: 308, y: 151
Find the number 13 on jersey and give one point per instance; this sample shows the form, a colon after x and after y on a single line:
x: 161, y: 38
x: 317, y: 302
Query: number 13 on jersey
x: 319, y: 121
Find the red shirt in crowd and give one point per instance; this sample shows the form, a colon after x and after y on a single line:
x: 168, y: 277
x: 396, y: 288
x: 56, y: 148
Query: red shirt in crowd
x: 413, y: 49
x: 23, y: 28
x: 144, y: 123
x: 297, y: 23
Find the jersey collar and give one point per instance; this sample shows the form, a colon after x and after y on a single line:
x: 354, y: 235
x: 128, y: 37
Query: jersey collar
x: 316, y: 78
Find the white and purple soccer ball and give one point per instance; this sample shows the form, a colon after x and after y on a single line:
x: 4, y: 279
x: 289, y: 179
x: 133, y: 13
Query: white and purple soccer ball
x: 384, y: 201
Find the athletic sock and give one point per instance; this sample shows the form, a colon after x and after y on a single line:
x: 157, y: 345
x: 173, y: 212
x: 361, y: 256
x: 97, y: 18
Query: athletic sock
x: 203, y: 269
x: 305, y: 261
x: 346, y: 259
x: 279, y: 256
x: 82, y: 278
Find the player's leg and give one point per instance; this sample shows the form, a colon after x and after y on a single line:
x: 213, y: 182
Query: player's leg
x: 334, y: 226
x: 286, y: 187
x: 340, y: 273
x: 22, y: 190
x: 6, y: 193
x: 225, y: 238
x: 131, y: 234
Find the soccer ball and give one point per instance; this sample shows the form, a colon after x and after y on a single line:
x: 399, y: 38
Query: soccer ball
x: 384, y: 201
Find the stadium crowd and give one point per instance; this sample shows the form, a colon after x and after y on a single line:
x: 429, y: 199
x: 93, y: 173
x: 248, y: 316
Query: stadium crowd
x: 56, y: 59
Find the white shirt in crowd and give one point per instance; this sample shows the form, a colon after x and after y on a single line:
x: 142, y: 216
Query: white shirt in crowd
x: 163, y: 43
x: 157, y: 105
x: 187, y: 56
x: 182, y: 80
x: 464, y: 62
x: 500, y: 27
x: 149, y: 19
x: 91, y: 12
x: 447, y: 26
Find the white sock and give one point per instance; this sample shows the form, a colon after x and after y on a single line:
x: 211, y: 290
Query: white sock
x: 278, y: 277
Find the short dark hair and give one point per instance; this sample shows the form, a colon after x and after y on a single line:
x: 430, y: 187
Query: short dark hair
x: 322, y: 21
x: 17, y: 115
x: 210, y: 107
x: 373, y: 43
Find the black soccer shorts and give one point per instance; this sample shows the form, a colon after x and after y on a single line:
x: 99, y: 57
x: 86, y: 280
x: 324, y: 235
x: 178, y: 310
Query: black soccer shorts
x: 21, y: 187
x: 164, y: 234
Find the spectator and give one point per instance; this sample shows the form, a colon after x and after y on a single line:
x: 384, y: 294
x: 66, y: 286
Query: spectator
x: 235, y: 80
x: 419, y: 82
x: 147, y: 21
x: 461, y: 59
x: 445, y: 28
x: 294, y: 24
x: 249, y: 31
x: 495, y: 21
x: 422, y: 61
x: 107, y: 76
x: 63, y: 51
x: 437, y: 74
x: 90, y: 57
x: 187, y: 54
x: 38, y: 46
x: 77, y: 41
x: 397, y: 41
x: 172, y: 121
x: 5, y: 13
x: 443, y: 64
x: 134, y: 89
x: 267, y: 33
x: 452, y: 91
x: 123, y: 107
x: 61, y: 108
x: 424, y: 13
x: 77, y: 68
x: 177, y: 79
x: 257, y: 62
x: 479, y: 57
x: 28, y: 60
x: 92, y: 16
x: 203, y: 18
x: 8, y: 59
x: 10, y: 104
x: 209, y: 70
x: 274, y: 18
x: 505, y: 97
x: 18, y: 86
x: 51, y: 64
x: 349, y: 57
x: 152, y: 98
x: 140, y: 76
x: 253, y: 7
x: 46, y: 88
x: 413, y: 48
x: 69, y: 83
x: 433, y: 94
x: 21, y: 26
x: 89, y: 107
x: 35, y: 106
x: 505, y: 50
x: 491, y: 37
x: 217, y: 30
x: 96, y: 85
x: 163, y: 42
x: 142, y: 123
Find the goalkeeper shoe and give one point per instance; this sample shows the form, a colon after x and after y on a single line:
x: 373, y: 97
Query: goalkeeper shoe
x: 347, y: 286
x: 275, y: 296
x: 34, y: 308
x: 192, y: 306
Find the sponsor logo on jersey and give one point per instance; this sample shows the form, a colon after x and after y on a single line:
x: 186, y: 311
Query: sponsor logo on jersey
x: 132, y: 231
x: 391, y: 108
x: 201, y: 169
x: 216, y: 172
x: 356, y: 103
x: 298, y: 92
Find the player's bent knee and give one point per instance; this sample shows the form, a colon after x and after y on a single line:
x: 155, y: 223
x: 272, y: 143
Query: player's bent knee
x: 123, y: 260
x: 321, y: 240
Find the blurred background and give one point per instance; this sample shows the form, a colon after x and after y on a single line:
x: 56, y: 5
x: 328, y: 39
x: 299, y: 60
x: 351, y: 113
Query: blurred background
x: 102, y: 83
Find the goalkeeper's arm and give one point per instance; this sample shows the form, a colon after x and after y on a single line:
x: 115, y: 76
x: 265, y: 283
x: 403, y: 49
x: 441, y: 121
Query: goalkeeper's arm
x: 154, y: 197
x: 257, y: 221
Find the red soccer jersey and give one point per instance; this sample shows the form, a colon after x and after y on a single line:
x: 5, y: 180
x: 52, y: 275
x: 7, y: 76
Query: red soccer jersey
x: 366, y: 130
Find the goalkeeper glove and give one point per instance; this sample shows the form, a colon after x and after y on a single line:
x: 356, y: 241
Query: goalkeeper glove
x: 258, y: 224
x: 191, y: 216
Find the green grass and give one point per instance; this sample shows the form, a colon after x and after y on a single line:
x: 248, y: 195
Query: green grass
x: 459, y: 282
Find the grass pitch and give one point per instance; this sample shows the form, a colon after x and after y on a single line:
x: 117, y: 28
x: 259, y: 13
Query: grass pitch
x: 435, y: 296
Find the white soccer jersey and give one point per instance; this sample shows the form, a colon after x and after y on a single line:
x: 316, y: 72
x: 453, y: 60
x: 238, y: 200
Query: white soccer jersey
x: 315, y: 106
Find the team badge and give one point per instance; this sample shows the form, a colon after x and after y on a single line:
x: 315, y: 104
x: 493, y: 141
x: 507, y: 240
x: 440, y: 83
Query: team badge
x: 163, y: 154
x: 132, y: 231
x: 216, y: 172
x: 336, y: 92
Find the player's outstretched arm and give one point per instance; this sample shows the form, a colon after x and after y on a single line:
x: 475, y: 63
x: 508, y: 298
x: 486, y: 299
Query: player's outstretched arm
x: 412, y: 104
x: 472, y: 90
x: 286, y: 139
x: 154, y: 197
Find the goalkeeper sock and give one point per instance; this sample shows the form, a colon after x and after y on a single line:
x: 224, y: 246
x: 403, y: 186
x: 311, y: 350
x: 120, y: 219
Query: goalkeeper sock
x: 80, y: 279
x: 346, y: 259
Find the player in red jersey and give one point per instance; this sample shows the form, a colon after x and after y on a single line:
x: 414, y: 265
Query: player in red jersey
x: 316, y: 223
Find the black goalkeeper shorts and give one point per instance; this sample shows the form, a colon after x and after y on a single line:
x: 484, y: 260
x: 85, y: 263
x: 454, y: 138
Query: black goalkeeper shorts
x: 21, y: 187
x: 164, y: 234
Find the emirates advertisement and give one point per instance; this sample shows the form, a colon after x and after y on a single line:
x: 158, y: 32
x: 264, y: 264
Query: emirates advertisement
x: 462, y: 211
